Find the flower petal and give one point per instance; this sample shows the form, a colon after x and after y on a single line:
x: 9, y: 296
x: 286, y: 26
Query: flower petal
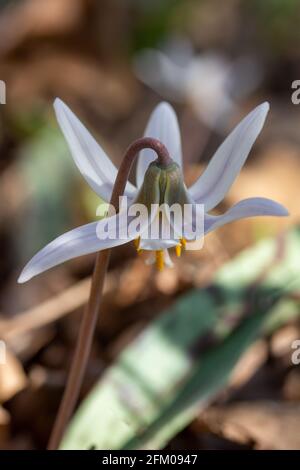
x: 154, y: 245
x: 167, y: 259
x: 162, y: 125
x: 187, y: 223
x: 161, y: 73
x: 228, y: 160
x: 252, y: 207
x: 158, y: 234
x: 83, y: 240
x: 91, y: 160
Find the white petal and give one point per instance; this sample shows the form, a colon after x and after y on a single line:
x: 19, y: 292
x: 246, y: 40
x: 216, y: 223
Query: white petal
x: 227, y: 162
x: 154, y: 245
x: 252, y: 207
x: 207, y: 88
x: 90, y: 158
x: 163, y: 126
x: 167, y: 260
x: 161, y: 73
x: 188, y: 224
x: 77, y: 242
x: 159, y: 230
x: 80, y: 241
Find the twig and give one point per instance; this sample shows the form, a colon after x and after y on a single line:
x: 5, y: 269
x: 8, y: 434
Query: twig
x: 46, y: 312
x: 89, y: 319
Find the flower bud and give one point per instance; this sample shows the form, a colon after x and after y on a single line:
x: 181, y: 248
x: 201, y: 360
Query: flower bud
x: 163, y: 185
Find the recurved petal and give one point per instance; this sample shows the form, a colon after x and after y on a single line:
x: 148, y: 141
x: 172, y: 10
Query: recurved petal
x: 163, y: 126
x: 228, y: 160
x: 106, y: 233
x: 252, y: 207
x: 91, y: 160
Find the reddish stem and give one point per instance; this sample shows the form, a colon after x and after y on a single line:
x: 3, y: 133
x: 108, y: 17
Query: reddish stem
x: 89, y: 320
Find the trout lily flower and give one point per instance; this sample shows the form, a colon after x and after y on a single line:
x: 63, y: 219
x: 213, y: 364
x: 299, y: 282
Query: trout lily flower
x: 209, y: 83
x: 156, y: 184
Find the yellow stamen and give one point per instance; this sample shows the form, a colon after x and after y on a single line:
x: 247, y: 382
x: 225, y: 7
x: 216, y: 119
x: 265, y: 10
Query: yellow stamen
x: 137, y: 244
x: 183, y: 242
x: 159, y: 258
x: 178, y: 250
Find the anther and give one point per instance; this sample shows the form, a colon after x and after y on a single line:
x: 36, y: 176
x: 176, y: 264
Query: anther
x: 183, y: 242
x: 159, y: 258
x: 137, y: 242
x: 178, y: 250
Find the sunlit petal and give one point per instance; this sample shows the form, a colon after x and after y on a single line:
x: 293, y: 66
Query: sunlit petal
x: 227, y: 162
x: 90, y: 158
x: 81, y: 241
x: 162, y: 125
x: 251, y: 207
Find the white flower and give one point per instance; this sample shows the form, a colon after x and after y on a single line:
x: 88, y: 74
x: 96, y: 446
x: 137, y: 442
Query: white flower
x: 100, y: 173
x: 207, y: 82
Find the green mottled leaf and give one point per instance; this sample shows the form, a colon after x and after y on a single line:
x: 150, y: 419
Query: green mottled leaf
x: 185, y: 357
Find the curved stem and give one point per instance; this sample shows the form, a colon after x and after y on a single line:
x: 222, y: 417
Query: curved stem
x: 89, y: 320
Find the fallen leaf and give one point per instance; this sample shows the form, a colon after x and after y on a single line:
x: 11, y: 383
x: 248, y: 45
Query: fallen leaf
x: 267, y: 424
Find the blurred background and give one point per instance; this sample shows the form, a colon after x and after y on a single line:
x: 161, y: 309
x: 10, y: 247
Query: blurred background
x: 158, y: 354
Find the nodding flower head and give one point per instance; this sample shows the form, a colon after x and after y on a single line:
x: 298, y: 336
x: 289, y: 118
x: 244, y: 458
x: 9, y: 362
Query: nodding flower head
x: 159, y: 184
x: 162, y: 191
x: 163, y: 183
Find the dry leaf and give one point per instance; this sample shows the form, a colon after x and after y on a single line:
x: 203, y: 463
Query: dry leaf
x: 249, y: 363
x: 267, y: 424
